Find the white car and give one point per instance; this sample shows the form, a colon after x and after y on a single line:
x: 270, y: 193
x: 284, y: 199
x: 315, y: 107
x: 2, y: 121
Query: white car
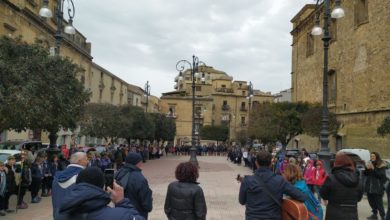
x: 4, y: 154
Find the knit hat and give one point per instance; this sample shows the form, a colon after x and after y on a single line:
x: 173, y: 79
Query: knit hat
x: 91, y: 175
x: 133, y: 158
x: 11, y: 158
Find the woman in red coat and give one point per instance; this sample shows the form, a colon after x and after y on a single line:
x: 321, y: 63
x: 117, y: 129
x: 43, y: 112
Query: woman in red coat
x: 319, y: 178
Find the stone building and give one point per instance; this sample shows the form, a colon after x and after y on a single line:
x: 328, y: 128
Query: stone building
x: 20, y: 18
x: 218, y: 101
x: 359, y: 79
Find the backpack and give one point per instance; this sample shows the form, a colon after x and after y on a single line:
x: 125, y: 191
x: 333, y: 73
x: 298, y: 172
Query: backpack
x: 314, y: 207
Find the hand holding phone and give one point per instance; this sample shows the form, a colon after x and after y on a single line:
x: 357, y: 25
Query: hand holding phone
x: 109, y: 178
x: 117, y: 193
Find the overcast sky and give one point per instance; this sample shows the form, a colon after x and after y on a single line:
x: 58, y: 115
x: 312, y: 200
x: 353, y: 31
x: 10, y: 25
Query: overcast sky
x: 142, y: 40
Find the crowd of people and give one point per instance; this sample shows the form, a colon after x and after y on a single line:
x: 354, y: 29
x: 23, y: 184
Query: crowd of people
x: 78, y: 188
x: 340, y: 190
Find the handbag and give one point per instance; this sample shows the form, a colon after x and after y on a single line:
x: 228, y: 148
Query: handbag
x: 291, y: 209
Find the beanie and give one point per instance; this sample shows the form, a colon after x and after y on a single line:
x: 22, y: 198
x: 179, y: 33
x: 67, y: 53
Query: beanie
x: 91, y: 175
x: 133, y: 158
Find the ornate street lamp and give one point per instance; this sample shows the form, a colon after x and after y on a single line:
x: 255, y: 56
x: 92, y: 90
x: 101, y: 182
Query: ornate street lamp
x: 337, y: 12
x: 68, y: 29
x: 147, y: 94
x: 194, y: 68
x: 250, y: 94
x: 45, y: 12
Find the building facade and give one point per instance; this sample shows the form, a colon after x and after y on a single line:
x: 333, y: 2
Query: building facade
x: 283, y: 96
x: 20, y: 19
x: 218, y: 101
x: 358, y: 77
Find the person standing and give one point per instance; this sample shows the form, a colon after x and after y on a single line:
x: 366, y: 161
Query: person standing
x: 66, y: 178
x: 135, y: 184
x: 293, y: 174
x: 260, y: 205
x: 342, y: 189
x: 25, y: 181
x: 10, y: 182
x: 185, y: 198
x: 319, y: 178
x: 375, y: 173
x: 3, y: 188
x: 37, y: 177
x: 87, y: 200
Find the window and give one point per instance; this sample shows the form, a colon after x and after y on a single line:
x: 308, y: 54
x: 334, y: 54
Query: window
x: 309, y: 45
x: 243, y: 120
x: 332, y: 87
x: 361, y: 12
x: 223, y: 86
x: 224, y: 102
x: 198, y: 88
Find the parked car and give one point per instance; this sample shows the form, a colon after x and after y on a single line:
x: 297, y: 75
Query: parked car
x: 4, y: 154
x: 21, y: 144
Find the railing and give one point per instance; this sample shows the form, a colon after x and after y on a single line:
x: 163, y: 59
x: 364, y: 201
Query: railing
x: 225, y: 90
x: 225, y: 107
x: 171, y: 115
x: 243, y: 108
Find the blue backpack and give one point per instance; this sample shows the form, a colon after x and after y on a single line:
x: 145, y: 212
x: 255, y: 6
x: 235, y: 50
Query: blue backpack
x: 312, y: 204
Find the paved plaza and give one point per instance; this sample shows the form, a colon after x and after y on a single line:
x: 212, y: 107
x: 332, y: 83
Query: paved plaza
x: 217, y: 178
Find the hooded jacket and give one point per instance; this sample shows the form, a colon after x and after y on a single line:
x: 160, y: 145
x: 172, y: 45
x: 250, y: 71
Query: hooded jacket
x: 259, y: 205
x: 61, y: 183
x: 87, y: 199
x: 136, y: 188
x: 343, y: 190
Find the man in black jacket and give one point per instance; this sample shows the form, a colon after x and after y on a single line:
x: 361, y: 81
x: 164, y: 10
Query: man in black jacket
x: 260, y: 205
x: 136, y: 186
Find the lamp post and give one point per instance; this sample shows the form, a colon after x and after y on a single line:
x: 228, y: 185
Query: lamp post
x: 68, y: 29
x: 45, y: 12
x: 194, y: 68
x: 147, y: 94
x: 250, y: 94
x: 337, y: 12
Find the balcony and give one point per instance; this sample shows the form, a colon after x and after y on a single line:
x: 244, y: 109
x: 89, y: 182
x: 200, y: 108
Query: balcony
x: 171, y: 115
x: 225, y: 108
x: 243, y: 108
x: 244, y: 124
x: 198, y: 115
x: 224, y: 90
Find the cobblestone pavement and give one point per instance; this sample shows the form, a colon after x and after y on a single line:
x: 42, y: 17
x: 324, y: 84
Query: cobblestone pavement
x: 217, y: 178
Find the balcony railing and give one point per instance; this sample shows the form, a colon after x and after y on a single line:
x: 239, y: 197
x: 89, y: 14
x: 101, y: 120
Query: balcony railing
x: 171, y: 115
x: 243, y: 108
x: 225, y: 107
x: 225, y: 90
x: 198, y: 115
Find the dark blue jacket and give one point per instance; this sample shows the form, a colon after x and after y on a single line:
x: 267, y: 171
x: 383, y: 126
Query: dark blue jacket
x: 259, y: 205
x: 36, y: 171
x: 137, y: 188
x: 92, y: 201
x: 61, y: 183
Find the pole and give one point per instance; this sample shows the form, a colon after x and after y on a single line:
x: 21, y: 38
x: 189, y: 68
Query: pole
x: 147, y: 90
x: 324, y: 153
x: 59, y: 17
x: 193, y: 149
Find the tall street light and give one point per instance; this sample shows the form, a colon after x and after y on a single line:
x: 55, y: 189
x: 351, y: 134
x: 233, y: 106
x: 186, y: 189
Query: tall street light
x: 250, y: 94
x: 194, y: 68
x: 45, y: 12
x: 68, y: 29
x: 147, y: 94
x: 337, y: 12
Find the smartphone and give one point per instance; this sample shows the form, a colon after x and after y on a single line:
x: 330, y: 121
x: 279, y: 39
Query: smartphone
x: 109, y: 178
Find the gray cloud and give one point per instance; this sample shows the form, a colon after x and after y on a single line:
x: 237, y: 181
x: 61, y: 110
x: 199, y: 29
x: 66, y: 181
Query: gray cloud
x: 143, y: 40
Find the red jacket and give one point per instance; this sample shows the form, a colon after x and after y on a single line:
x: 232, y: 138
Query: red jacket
x: 319, y: 176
